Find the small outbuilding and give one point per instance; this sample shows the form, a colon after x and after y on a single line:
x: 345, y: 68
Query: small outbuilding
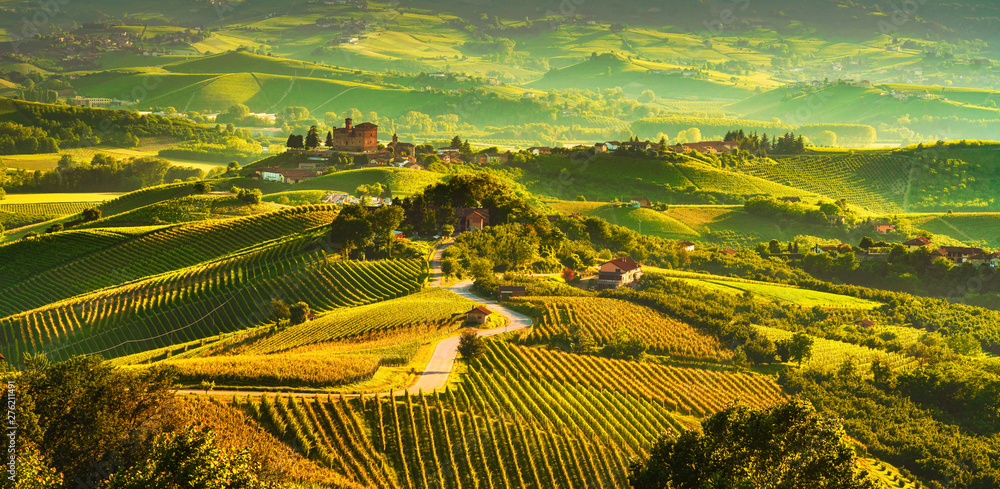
x: 479, y: 315
x: 508, y: 291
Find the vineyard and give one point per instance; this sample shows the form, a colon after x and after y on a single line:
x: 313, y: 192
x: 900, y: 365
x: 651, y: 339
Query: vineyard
x: 692, y: 391
x: 18, y: 215
x: 203, y: 300
x: 156, y: 252
x: 603, y: 318
x: 183, y: 209
x: 429, y: 310
x: 712, y: 179
x: 830, y: 354
x: 876, y: 181
x: 310, y: 369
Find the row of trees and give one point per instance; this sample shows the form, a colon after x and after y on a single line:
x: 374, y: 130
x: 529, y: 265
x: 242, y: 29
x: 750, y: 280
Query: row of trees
x: 789, y: 143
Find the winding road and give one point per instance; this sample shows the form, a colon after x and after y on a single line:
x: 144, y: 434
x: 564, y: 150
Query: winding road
x: 435, y: 374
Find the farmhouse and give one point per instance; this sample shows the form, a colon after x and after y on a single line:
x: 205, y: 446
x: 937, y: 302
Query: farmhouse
x: 707, y: 147
x: 362, y: 138
x: 961, y: 254
x: 285, y: 175
x: 468, y: 219
x: 640, y: 203
x: 728, y: 251
x: 685, y: 245
x: 539, y: 150
x: 478, y: 315
x: 884, y: 227
x: 618, y: 272
x: 917, y: 243
x: 339, y: 198
x: 508, y: 291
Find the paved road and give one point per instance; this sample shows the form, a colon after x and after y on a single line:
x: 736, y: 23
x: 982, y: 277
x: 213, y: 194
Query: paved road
x: 435, y: 374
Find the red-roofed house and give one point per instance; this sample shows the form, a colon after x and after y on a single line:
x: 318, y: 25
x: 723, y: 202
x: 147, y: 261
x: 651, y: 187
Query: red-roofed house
x: 685, y: 245
x: 728, y: 251
x: 640, y: 203
x: 917, y: 243
x: 285, y: 175
x: 618, y: 272
x: 467, y: 219
x: 961, y: 254
x: 884, y: 227
x: 479, y: 315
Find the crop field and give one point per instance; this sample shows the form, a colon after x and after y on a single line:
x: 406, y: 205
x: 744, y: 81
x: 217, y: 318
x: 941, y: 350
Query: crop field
x: 603, y: 318
x: 829, y: 354
x: 715, y: 180
x: 691, y: 391
x: 183, y: 209
x: 17, y: 215
x: 310, y: 369
x: 432, y: 309
x: 161, y: 251
x: 774, y: 292
x: 401, y: 181
x: 200, y: 301
x: 877, y: 182
x: 59, y: 198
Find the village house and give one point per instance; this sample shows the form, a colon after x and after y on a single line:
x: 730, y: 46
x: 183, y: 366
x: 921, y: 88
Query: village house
x: 728, y: 251
x: 508, y: 291
x: 884, y: 227
x: 685, y: 245
x: 285, y: 175
x: 617, y: 273
x: 539, y: 150
x: 339, y: 198
x: 960, y: 254
x: 478, y: 315
x: 467, y: 219
x: 917, y: 243
x: 640, y: 203
x: 707, y: 147
x: 601, y: 147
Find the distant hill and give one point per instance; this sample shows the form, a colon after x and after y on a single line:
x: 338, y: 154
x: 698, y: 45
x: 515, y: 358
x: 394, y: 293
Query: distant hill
x: 612, y: 70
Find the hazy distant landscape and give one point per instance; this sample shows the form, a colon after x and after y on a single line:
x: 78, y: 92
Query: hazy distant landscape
x: 450, y: 245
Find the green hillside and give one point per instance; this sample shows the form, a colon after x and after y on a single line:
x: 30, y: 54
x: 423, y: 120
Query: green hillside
x: 612, y: 70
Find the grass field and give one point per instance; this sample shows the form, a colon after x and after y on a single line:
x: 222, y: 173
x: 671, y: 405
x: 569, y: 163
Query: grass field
x: 401, y: 181
x: 646, y: 221
x: 766, y: 291
x: 59, y: 197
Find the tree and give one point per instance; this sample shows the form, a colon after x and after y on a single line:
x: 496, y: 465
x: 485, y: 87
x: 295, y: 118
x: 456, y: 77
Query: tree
x: 91, y: 214
x: 827, y: 138
x: 329, y: 139
x: 233, y: 166
x: 774, y: 247
x: 299, y: 312
x: 190, y: 458
x: 312, y: 138
x: 800, y: 348
x: 470, y: 346
x: 202, y: 187
x: 87, y: 416
x: 568, y: 274
x: 55, y: 228
x: 280, y: 310
x: 447, y: 230
x: 787, y: 445
x: 385, y: 220
x: 456, y: 142
x: 866, y: 243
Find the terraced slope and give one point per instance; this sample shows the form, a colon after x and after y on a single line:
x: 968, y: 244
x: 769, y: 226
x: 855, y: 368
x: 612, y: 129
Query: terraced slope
x: 202, y: 301
x: 877, y: 181
x: 157, y: 252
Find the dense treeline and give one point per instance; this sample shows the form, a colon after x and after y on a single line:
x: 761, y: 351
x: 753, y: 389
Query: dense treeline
x: 925, y: 421
x: 83, y: 126
x: 102, y: 174
x: 786, y: 144
x: 781, y: 210
x: 18, y: 139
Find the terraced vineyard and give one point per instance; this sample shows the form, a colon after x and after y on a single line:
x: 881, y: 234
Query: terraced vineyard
x: 830, y: 354
x: 602, y: 318
x: 203, y: 300
x: 428, y: 310
x: 28, y: 257
x: 876, y: 181
x: 693, y: 391
x: 17, y: 215
x: 157, y: 252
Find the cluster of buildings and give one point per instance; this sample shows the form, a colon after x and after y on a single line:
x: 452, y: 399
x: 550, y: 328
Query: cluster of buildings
x: 955, y: 254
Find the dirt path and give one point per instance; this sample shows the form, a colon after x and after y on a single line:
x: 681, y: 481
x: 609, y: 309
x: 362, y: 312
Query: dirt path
x: 435, y: 374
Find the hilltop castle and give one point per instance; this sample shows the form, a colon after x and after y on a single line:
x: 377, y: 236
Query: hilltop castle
x: 362, y: 138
